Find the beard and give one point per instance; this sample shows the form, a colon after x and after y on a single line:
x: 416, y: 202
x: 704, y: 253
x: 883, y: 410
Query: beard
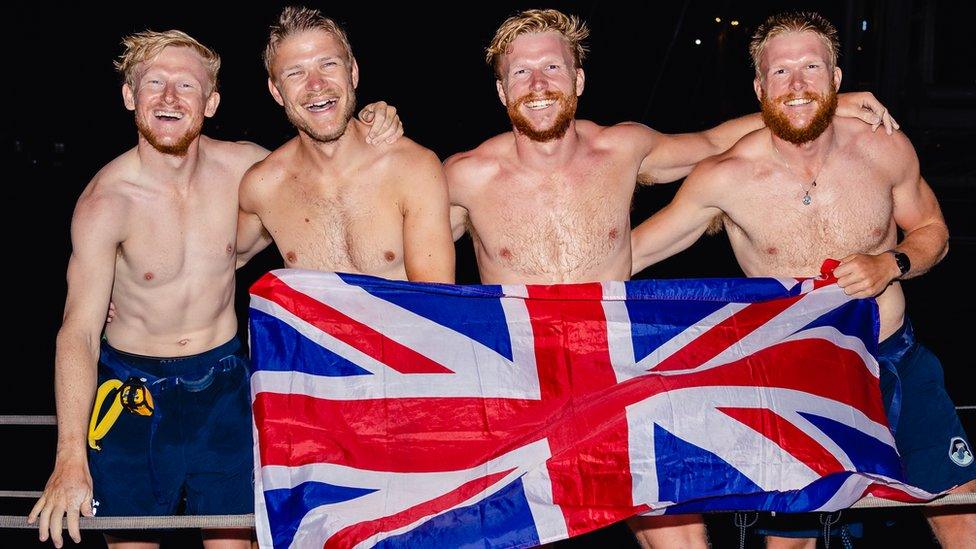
x: 780, y: 124
x: 178, y: 148
x: 567, y: 110
x: 342, y: 120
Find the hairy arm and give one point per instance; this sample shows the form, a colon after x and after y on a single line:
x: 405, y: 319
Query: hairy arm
x: 427, y: 244
x: 679, y: 224
x: 670, y: 157
x: 97, y: 229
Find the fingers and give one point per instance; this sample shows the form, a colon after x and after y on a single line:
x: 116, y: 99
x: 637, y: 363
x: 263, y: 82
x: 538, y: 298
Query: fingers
x: 366, y: 115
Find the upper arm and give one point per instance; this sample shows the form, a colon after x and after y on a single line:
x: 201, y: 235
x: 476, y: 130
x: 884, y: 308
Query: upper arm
x: 97, y: 230
x: 455, y: 177
x: 915, y: 205
x: 679, y: 224
x: 673, y: 156
x: 427, y: 244
x: 252, y: 236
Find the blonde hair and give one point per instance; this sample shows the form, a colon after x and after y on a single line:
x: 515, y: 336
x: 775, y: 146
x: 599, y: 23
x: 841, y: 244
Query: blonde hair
x: 794, y: 21
x: 296, y: 20
x: 572, y: 29
x: 144, y: 46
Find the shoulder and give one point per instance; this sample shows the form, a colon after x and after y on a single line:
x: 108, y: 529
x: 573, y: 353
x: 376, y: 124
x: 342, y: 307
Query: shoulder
x: 108, y: 197
x: 480, y: 163
x: 407, y: 154
x: 894, y: 153
x: 743, y: 162
x: 264, y: 175
x: 238, y: 155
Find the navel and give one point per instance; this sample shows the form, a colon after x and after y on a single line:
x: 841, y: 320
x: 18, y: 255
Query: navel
x: 183, y: 342
x: 389, y: 256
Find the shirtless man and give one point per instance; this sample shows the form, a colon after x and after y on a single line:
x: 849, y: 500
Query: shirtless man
x: 550, y: 201
x: 155, y: 232
x: 811, y: 187
x: 328, y: 201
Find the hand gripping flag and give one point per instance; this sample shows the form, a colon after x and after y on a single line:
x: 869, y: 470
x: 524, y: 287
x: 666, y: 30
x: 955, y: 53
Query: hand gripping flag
x: 399, y: 414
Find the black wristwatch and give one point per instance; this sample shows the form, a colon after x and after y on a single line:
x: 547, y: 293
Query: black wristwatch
x: 904, y: 264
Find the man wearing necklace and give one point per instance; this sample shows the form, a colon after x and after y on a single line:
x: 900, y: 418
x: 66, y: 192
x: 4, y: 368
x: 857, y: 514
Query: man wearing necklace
x: 810, y: 187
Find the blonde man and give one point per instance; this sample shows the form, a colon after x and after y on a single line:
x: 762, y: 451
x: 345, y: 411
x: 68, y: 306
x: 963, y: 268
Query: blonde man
x: 549, y: 202
x: 167, y: 389
x: 328, y: 201
x: 811, y: 187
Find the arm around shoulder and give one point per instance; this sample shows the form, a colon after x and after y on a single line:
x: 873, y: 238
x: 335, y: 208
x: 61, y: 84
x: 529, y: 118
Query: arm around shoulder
x: 428, y: 245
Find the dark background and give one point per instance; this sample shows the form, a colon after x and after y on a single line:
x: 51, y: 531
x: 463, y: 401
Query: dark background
x: 65, y: 119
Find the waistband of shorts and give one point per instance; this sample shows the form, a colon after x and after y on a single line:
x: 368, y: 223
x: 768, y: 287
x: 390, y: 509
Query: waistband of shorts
x: 169, y: 366
x: 898, y: 344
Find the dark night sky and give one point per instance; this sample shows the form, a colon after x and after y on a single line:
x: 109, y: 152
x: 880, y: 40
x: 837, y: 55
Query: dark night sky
x: 68, y: 119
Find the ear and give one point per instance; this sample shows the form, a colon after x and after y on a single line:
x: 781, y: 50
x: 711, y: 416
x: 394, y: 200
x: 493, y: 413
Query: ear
x: 274, y: 92
x: 128, y: 97
x: 355, y: 73
x: 837, y: 78
x: 580, y: 81
x: 757, y: 86
x: 501, y: 92
x: 212, y: 103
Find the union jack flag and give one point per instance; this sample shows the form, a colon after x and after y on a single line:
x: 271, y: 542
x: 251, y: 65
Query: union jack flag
x: 399, y: 414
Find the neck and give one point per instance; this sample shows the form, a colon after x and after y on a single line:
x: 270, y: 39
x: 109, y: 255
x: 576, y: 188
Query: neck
x: 556, y: 152
x: 322, y: 152
x: 806, y: 155
x: 169, y: 167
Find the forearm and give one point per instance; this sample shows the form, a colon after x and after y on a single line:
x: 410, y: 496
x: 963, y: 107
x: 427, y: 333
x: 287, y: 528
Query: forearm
x: 925, y: 246
x: 75, y: 379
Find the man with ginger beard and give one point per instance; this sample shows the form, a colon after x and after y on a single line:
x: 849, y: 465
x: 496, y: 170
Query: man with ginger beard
x: 155, y: 231
x: 811, y: 187
x: 550, y: 201
x: 328, y: 201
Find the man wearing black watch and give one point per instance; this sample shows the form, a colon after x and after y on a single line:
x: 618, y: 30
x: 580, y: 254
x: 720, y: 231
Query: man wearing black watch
x: 811, y: 187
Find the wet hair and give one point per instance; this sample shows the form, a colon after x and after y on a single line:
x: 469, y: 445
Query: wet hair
x: 296, y: 20
x: 572, y: 29
x: 146, y: 45
x: 794, y: 21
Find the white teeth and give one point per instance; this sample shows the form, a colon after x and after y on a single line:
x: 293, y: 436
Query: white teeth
x: 321, y: 104
x: 168, y: 114
x: 540, y: 104
x: 795, y: 102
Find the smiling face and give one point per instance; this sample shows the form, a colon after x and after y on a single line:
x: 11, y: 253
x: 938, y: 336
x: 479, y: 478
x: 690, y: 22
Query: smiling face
x: 539, y: 85
x: 171, y: 94
x: 797, y: 86
x: 314, y: 78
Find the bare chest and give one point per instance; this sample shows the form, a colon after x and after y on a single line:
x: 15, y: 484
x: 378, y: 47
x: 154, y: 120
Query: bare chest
x: 174, y: 236
x: 778, y: 230
x: 353, y: 226
x: 557, y: 228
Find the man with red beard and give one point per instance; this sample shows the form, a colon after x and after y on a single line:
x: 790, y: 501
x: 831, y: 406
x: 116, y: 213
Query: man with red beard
x: 328, y: 201
x: 155, y: 232
x: 811, y: 187
x: 549, y: 202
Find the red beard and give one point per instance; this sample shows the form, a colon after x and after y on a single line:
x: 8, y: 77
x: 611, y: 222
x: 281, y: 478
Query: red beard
x: 178, y: 148
x: 567, y: 110
x: 780, y: 125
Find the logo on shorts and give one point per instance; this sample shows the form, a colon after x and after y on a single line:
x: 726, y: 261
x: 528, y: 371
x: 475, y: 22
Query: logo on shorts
x: 959, y: 452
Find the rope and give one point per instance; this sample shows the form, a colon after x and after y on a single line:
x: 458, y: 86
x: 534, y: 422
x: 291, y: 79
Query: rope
x: 247, y: 521
x: 143, y: 523
x: 28, y: 420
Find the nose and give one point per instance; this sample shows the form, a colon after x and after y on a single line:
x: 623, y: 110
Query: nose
x: 315, y: 82
x: 169, y: 93
x: 797, y: 82
x: 538, y: 81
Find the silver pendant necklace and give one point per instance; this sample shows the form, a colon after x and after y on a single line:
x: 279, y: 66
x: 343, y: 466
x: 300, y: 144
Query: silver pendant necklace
x: 807, y: 199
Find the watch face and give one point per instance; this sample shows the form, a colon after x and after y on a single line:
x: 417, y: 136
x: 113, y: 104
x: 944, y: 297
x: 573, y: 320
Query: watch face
x: 904, y: 265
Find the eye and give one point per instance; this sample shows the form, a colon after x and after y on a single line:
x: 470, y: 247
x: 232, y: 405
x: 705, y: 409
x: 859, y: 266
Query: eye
x: 813, y: 66
x: 552, y: 67
x: 329, y: 64
x: 520, y: 72
x: 292, y: 73
x: 186, y: 86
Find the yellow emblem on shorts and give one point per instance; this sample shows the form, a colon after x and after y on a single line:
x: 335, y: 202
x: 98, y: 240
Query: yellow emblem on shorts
x: 132, y: 396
